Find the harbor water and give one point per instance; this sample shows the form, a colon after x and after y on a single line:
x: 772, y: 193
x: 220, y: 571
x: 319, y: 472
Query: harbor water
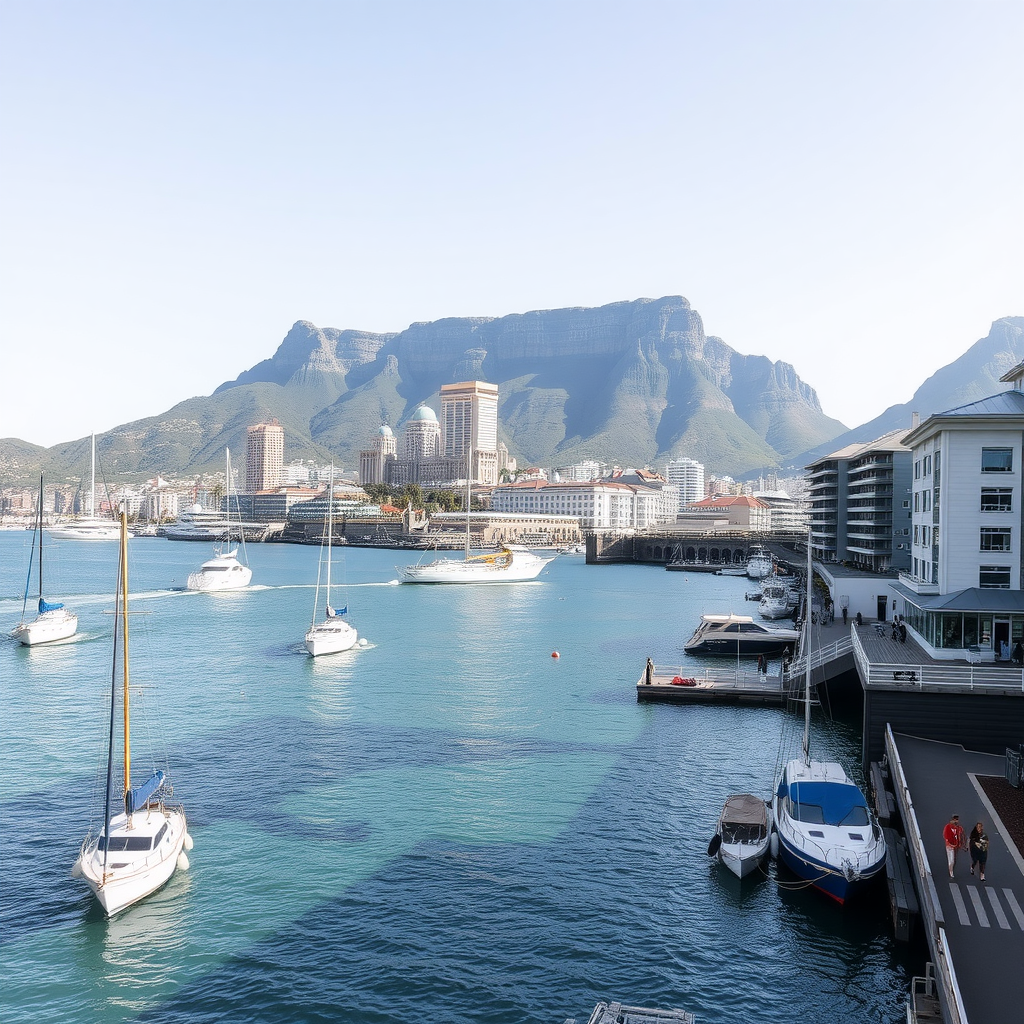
x: 447, y: 825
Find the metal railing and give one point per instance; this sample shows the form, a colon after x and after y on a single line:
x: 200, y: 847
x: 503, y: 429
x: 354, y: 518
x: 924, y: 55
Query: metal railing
x: 890, y: 674
x: 723, y: 677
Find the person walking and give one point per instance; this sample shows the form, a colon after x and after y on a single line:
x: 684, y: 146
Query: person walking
x: 978, y: 845
x: 953, y: 837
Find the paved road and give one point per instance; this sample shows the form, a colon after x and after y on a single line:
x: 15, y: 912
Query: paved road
x: 984, y: 920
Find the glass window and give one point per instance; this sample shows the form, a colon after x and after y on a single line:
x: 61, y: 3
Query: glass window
x: 995, y: 539
x: 994, y: 577
x: 997, y: 499
x: 997, y: 460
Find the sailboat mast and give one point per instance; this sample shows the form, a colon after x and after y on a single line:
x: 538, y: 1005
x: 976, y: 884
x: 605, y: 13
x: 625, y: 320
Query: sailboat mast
x: 124, y: 649
x: 330, y: 532
x: 92, y: 482
x: 469, y: 477
x: 40, y: 537
x: 807, y: 658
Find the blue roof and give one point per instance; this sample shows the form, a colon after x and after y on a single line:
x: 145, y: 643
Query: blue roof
x: 835, y: 799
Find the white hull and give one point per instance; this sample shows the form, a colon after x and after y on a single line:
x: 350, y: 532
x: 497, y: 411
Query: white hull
x: 85, y: 529
x: 743, y: 859
x: 744, y: 831
x: 133, y: 874
x: 224, y: 572
x: 331, y: 637
x: 759, y: 567
x: 47, y: 628
x: 506, y: 566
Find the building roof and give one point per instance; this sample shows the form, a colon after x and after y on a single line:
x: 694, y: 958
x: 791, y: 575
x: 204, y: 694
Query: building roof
x: 891, y: 442
x: 973, y: 599
x: 1005, y: 405
x: 728, y: 501
x: 385, y: 431
x: 423, y: 413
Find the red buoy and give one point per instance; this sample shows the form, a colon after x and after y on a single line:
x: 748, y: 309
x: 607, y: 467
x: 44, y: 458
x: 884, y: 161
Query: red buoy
x: 555, y: 654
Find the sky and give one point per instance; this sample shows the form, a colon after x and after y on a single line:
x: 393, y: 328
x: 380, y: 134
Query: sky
x: 835, y: 185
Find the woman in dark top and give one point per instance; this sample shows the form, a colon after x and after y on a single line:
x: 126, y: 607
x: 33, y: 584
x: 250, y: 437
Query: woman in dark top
x: 978, y: 844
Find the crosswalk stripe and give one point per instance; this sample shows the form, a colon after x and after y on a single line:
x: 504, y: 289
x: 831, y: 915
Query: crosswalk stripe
x: 993, y: 898
x: 958, y: 900
x: 1014, y: 907
x: 979, y: 907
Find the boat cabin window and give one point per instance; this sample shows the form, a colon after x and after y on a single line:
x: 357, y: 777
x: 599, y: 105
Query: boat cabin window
x: 856, y: 816
x: 811, y: 814
x: 126, y: 843
x: 159, y: 836
x: 734, y: 628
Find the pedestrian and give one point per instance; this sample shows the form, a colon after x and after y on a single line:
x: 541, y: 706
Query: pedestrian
x: 978, y: 846
x: 761, y: 664
x: 1018, y: 653
x: 844, y: 614
x: 953, y: 837
x: 649, y: 672
x: 903, y: 632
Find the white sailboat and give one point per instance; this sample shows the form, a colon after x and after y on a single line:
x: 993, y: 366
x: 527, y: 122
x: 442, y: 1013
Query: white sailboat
x: 52, y: 621
x: 144, y: 839
x: 333, y: 634
x: 509, y: 564
x: 88, y: 527
x: 224, y: 571
x: 826, y: 832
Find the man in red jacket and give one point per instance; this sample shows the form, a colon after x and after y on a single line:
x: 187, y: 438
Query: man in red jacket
x: 954, y: 838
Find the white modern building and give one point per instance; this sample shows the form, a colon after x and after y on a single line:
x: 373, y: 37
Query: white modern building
x: 688, y: 476
x: 601, y: 504
x: 963, y: 590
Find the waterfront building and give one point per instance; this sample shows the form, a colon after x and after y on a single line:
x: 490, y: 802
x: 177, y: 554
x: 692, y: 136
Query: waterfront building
x: 375, y: 461
x: 688, y: 476
x: 580, y: 472
x: 598, y: 505
x: 787, y: 514
x: 729, y: 511
x: 860, y: 504
x: 264, y: 456
x: 963, y: 589
x: 421, y: 438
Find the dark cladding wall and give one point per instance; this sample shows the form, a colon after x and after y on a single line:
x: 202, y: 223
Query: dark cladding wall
x: 977, y: 721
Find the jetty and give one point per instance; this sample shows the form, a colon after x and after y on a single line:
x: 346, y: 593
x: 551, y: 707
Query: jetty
x: 681, y: 684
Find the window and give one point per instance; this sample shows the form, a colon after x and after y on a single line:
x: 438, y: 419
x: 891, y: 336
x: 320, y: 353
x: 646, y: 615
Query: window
x: 997, y: 460
x: 995, y: 539
x: 917, y: 501
x: 994, y: 577
x: 997, y: 499
x: 926, y: 501
x: 927, y: 467
x: 917, y: 470
x: 906, y: 503
x: 917, y: 536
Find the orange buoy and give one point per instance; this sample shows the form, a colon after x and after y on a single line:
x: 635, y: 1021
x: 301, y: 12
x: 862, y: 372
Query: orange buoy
x: 555, y: 654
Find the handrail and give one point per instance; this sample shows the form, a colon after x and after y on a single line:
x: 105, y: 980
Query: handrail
x: 898, y: 675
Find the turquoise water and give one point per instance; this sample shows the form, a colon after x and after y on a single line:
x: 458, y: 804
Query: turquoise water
x: 449, y: 824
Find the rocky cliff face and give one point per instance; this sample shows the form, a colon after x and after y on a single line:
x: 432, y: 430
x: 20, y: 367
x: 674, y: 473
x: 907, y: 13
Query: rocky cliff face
x: 635, y: 382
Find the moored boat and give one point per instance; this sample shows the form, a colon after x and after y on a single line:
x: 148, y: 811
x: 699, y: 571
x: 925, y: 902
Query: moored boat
x: 739, y: 635
x: 143, y: 839
x: 224, y: 571
x: 89, y: 526
x: 759, y: 563
x: 510, y: 564
x: 777, y: 600
x: 744, y: 832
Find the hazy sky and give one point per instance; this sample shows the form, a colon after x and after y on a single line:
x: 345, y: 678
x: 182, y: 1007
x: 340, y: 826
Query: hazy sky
x: 833, y: 184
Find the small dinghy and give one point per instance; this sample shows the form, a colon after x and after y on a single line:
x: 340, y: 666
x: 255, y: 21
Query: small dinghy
x: 744, y: 830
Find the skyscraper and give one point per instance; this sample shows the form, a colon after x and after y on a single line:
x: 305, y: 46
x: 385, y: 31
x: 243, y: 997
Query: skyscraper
x: 264, y: 456
x: 469, y: 424
x: 688, y: 476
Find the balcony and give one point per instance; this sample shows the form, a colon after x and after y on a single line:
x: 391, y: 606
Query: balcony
x: 918, y: 586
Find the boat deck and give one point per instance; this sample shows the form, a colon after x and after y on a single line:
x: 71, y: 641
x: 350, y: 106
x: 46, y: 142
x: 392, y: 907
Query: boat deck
x: 710, y: 686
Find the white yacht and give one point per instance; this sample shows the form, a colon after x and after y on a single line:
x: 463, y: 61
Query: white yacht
x: 334, y: 634
x: 511, y: 564
x: 224, y: 571
x: 777, y: 599
x: 89, y: 526
x: 739, y: 636
x: 759, y: 563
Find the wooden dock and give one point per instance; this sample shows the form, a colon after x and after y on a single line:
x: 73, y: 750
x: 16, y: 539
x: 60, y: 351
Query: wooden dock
x: 681, y: 685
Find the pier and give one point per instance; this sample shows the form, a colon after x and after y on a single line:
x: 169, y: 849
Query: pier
x: 726, y: 685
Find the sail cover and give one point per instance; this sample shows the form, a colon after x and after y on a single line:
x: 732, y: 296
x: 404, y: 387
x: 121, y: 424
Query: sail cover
x: 45, y: 606
x: 137, y: 797
x: 333, y: 613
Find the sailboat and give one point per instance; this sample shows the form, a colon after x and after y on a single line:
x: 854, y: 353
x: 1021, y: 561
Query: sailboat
x: 334, y: 634
x: 826, y: 832
x: 53, y: 621
x: 144, y: 839
x: 224, y: 571
x: 509, y: 564
x: 88, y: 527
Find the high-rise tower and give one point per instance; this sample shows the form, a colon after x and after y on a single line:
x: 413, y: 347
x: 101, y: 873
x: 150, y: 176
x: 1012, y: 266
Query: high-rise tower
x: 264, y: 456
x: 469, y: 424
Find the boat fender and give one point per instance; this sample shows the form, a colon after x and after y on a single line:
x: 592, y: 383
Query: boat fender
x: 713, y: 846
x: 76, y: 868
x: 188, y: 844
x: 183, y: 861
x: 773, y: 846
